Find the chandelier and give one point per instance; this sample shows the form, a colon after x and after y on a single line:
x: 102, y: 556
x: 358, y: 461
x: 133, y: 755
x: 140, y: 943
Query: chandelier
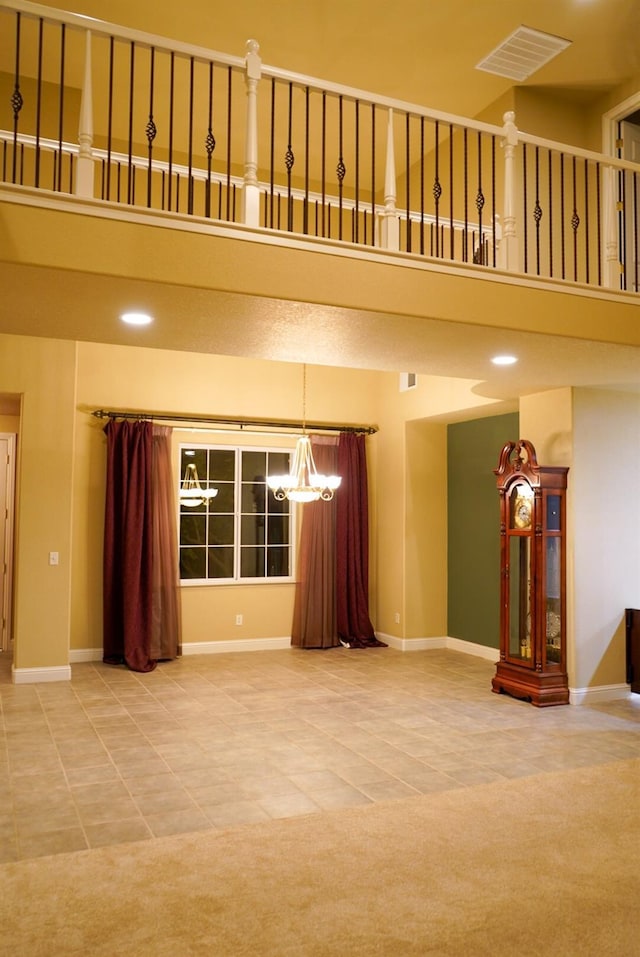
x: 192, y: 493
x: 303, y: 483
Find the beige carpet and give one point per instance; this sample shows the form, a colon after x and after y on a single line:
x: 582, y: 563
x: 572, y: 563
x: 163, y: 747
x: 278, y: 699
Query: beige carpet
x: 545, y: 865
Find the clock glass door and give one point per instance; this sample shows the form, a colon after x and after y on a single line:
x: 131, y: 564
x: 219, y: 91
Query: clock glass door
x: 519, y: 610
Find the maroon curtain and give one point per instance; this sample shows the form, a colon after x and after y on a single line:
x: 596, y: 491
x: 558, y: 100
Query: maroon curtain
x: 352, y: 545
x: 128, y: 546
x: 314, y: 611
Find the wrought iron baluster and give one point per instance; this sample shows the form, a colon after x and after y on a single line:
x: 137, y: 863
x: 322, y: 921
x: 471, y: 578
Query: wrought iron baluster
x: 493, y: 195
x: 209, y: 144
x: 289, y: 160
x: 17, y: 101
x: 537, y: 209
x: 38, y: 101
x: 408, y: 178
x: 550, y: 175
x: 130, y: 148
x: 323, y: 155
x: 373, y: 174
x: 422, y: 185
x: 437, y: 186
x: 480, y: 200
x: 272, y: 140
x: 340, y: 169
x: 634, y: 176
x: 150, y: 128
x: 190, y: 138
x: 172, y: 70
x: 575, y: 222
x: 356, y: 218
x: 599, y: 225
x: 63, y: 44
x: 562, y: 217
x: 451, y: 227
x: 305, y: 211
x: 229, y: 128
x: 586, y: 221
x: 465, y: 247
x: 525, y: 224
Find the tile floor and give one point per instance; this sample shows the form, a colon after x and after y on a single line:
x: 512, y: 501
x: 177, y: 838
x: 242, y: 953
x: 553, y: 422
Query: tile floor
x: 219, y: 740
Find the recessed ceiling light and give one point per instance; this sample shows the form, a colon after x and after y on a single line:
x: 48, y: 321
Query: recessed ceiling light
x: 136, y: 318
x: 504, y: 360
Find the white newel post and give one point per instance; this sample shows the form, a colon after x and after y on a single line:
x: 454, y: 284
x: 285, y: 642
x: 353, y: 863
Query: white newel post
x: 251, y: 191
x: 509, y: 247
x: 611, y: 252
x: 390, y: 220
x: 84, y: 169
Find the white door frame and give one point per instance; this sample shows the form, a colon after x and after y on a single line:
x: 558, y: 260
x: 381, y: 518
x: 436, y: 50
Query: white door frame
x: 612, y: 117
x: 6, y: 634
x: 610, y: 121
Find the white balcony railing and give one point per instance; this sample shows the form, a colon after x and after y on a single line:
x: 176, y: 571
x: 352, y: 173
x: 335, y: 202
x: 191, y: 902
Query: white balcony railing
x: 125, y: 117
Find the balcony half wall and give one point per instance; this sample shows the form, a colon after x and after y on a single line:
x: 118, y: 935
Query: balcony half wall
x: 69, y: 267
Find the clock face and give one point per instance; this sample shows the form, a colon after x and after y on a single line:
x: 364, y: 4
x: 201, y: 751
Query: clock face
x: 522, y: 511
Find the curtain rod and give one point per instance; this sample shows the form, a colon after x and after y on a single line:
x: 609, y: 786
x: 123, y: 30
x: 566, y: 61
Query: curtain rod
x: 240, y: 424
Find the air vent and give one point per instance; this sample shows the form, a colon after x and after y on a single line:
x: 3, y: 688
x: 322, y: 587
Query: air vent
x: 408, y: 380
x: 522, y: 53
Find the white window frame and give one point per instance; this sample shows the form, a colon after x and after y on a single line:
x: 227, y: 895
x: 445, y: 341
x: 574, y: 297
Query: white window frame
x: 237, y: 578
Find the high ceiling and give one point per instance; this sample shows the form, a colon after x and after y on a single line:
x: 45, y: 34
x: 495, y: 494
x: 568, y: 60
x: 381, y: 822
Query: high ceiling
x: 413, y: 50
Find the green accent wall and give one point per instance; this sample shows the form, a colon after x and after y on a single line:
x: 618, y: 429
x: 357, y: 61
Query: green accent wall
x: 473, y: 449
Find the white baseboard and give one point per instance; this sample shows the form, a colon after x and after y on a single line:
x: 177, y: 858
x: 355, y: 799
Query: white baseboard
x: 27, y: 676
x: 240, y: 644
x: 450, y: 644
x: 77, y: 655
x: 596, y: 695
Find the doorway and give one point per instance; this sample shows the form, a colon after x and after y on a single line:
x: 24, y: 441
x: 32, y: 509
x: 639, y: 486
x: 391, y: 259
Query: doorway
x: 621, y: 138
x: 7, y: 510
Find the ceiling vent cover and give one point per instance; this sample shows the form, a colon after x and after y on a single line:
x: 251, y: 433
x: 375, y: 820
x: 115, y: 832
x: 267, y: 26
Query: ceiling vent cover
x: 522, y: 53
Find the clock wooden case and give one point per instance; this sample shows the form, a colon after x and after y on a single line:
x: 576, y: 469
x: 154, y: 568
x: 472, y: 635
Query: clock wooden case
x: 532, y: 581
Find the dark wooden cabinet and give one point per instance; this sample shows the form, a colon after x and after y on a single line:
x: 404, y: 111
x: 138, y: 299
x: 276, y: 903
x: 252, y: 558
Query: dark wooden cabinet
x: 632, y: 627
x: 533, y: 653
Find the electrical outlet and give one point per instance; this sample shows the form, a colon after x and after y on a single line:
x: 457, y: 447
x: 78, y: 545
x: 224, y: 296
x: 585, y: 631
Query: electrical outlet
x: 238, y: 619
x: 54, y: 558
x: 396, y: 618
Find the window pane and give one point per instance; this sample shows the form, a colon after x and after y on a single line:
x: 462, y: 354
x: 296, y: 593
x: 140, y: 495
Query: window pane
x: 254, y: 466
x: 224, y: 500
x: 278, y: 463
x: 252, y: 563
x: 276, y: 507
x: 192, y: 529
x: 222, y: 465
x: 220, y: 562
x: 278, y: 530
x: 198, y: 457
x: 253, y: 497
x: 193, y: 563
x: 252, y: 530
x: 277, y: 561
x: 221, y: 530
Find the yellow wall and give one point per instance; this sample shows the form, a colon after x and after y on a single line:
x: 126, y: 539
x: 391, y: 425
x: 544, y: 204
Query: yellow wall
x: 43, y: 372
x: 116, y: 377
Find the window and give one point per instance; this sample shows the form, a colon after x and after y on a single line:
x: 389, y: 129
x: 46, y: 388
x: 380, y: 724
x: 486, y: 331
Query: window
x: 243, y: 533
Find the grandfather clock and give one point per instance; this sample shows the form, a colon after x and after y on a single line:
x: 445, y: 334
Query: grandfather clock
x: 532, y: 578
